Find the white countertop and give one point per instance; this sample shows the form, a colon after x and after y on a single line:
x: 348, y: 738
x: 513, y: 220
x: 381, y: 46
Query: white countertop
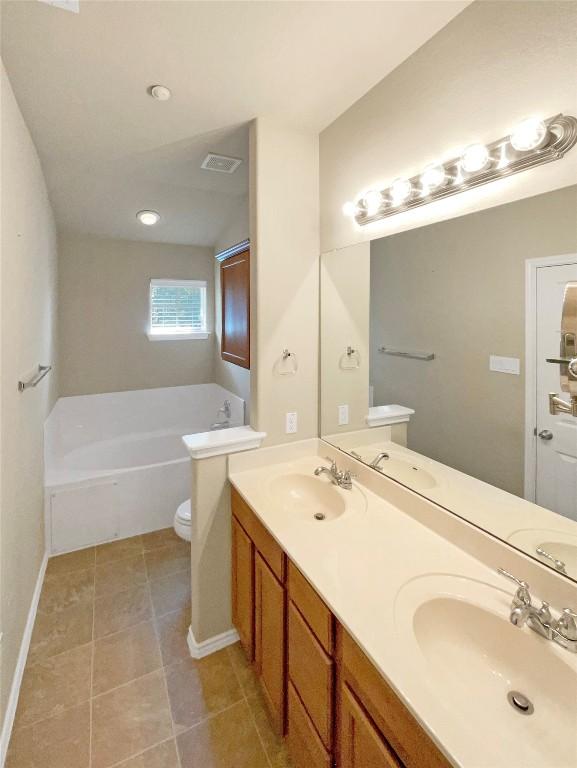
x: 360, y: 564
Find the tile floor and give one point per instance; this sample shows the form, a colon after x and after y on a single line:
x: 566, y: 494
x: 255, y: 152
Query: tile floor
x: 110, y: 683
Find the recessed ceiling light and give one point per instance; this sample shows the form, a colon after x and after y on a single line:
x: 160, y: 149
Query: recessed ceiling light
x: 160, y: 92
x: 148, y: 218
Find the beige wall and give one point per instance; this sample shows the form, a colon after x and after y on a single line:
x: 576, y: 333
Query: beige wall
x: 103, y: 316
x: 457, y: 288
x: 230, y: 376
x: 345, y: 288
x: 285, y: 262
x: 493, y: 65
x: 28, y: 299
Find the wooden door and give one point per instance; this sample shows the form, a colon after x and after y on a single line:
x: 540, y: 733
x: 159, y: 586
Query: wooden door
x: 360, y: 743
x: 243, y: 587
x: 235, y: 295
x: 270, y: 641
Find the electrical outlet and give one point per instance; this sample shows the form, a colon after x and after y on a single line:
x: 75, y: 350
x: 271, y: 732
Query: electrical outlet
x: 343, y: 414
x: 291, y: 423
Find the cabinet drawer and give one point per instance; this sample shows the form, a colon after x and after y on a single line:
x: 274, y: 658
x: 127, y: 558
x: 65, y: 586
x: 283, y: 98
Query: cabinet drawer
x: 399, y: 728
x: 263, y: 541
x: 317, y: 615
x: 311, y: 673
x: 305, y: 747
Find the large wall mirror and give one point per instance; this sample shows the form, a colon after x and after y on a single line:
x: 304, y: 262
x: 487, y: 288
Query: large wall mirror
x: 449, y: 363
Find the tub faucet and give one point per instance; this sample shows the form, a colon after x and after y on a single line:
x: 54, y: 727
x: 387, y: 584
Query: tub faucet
x: 222, y: 417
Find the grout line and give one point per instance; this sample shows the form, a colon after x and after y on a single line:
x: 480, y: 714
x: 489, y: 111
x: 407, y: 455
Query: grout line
x: 169, y: 704
x: 92, y: 675
x: 143, y: 752
x: 252, y: 717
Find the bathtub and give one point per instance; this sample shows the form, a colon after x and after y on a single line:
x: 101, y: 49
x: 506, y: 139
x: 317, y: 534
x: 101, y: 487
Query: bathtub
x: 115, y: 464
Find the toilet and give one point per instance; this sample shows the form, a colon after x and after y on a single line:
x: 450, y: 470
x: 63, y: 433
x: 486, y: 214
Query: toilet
x: 182, y: 520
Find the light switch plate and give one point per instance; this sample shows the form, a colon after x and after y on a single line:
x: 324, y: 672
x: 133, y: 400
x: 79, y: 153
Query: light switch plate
x: 291, y: 423
x: 343, y: 415
x: 510, y: 365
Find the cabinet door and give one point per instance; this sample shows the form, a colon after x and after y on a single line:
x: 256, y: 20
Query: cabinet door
x: 270, y: 641
x: 235, y: 297
x: 243, y: 587
x: 361, y: 744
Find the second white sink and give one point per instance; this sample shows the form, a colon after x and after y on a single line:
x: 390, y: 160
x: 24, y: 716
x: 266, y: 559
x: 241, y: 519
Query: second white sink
x: 475, y: 661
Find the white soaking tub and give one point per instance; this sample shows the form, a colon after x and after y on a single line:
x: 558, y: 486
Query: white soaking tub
x: 115, y: 465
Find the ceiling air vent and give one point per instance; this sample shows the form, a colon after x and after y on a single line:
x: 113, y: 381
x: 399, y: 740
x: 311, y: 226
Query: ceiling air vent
x: 220, y: 163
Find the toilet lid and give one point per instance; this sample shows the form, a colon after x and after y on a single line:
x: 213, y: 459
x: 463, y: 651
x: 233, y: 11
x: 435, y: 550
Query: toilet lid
x: 183, y: 513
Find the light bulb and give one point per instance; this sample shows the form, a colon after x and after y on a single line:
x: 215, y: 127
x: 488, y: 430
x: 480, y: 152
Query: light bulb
x: 475, y: 158
x: 350, y: 209
x: 372, y: 201
x: 400, y: 191
x: 433, y: 176
x: 148, y: 218
x: 529, y: 134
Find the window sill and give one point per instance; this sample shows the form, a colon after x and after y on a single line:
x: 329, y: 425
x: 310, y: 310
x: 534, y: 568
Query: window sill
x: 198, y: 335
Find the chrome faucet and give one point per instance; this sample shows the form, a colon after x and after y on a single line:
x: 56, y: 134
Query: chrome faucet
x: 378, y: 458
x: 342, y: 479
x: 222, y: 417
x: 562, y: 631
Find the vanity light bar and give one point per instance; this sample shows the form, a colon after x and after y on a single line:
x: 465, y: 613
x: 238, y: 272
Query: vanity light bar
x: 533, y: 142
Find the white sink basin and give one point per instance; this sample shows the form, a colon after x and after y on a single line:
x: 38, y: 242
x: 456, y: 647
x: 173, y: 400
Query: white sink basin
x: 472, y: 657
x: 312, y: 499
x: 408, y: 473
x: 562, y: 546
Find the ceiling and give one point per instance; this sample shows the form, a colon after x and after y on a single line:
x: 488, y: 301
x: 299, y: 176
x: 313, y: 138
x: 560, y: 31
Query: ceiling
x: 108, y: 149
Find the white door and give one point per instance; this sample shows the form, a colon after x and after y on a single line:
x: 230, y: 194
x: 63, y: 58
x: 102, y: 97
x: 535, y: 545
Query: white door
x: 556, y: 471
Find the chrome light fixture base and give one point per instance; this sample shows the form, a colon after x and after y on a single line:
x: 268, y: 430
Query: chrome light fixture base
x: 504, y: 161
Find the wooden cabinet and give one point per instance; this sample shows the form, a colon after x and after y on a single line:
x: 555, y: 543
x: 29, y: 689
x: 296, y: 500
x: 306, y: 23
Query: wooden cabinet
x: 259, y: 604
x: 243, y: 587
x: 337, y: 707
x: 362, y: 745
x: 379, y: 705
x: 311, y: 672
x: 305, y: 747
x: 235, y: 297
x: 270, y: 640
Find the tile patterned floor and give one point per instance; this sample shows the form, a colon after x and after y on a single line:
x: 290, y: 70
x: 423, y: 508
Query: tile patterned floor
x: 109, y: 681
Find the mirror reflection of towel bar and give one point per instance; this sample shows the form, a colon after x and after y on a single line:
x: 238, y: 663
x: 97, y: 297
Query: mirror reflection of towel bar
x: 36, y: 379
x: 407, y: 353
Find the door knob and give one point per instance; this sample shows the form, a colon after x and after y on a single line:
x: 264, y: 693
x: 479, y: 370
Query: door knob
x: 546, y: 434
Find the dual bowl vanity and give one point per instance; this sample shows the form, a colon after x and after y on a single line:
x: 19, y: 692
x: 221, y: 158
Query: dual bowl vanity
x: 381, y: 629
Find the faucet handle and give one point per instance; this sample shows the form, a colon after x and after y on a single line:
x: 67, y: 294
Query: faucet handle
x: 566, y: 625
x: 545, y: 613
x: 522, y: 595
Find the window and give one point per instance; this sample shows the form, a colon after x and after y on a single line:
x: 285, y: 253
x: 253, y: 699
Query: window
x: 177, y: 309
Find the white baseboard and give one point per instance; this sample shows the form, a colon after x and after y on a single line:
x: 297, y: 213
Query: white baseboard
x: 21, y: 664
x: 213, y: 644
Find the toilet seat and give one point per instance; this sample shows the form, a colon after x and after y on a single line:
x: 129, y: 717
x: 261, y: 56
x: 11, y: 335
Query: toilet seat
x: 183, y: 520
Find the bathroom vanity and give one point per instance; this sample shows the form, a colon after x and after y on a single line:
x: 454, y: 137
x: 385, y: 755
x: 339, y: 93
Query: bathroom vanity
x: 379, y: 627
x: 319, y: 686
